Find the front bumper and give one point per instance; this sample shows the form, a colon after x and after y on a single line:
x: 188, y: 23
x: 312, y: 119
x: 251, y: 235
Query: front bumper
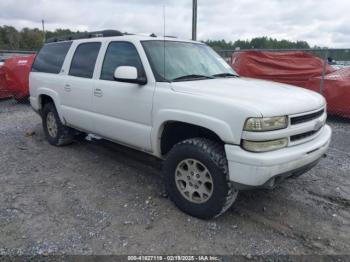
x: 257, y: 169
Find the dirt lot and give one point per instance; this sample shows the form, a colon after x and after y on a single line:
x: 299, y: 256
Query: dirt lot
x: 100, y: 198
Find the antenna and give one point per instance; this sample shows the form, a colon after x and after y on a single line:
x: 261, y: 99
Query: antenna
x: 44, y: 35
x: 194, y: 20
x: 164, y: 39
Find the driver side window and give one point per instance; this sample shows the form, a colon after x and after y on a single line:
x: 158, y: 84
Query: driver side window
x: 120, y: 54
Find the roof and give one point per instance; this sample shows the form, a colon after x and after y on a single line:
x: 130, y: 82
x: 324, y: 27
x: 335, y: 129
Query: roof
x: 114, y: 35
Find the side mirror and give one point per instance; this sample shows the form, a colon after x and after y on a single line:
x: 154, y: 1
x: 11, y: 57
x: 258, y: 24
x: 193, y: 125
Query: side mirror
x: 128, y: 74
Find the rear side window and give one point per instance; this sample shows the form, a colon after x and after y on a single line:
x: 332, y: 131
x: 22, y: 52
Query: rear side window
x: 120, y: 54
x: 51, y: 57
x: 84, y: 60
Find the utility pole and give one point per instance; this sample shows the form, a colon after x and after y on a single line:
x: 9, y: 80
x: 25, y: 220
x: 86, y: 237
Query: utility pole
x: 194, y: 20
x: 44, y: 35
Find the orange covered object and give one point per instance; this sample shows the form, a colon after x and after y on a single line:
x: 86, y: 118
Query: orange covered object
x: 299, y: 69
x: 14, y: 76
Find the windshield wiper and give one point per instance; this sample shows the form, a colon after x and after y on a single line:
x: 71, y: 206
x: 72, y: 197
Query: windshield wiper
x: 225, y: 75
x: 191, y: 77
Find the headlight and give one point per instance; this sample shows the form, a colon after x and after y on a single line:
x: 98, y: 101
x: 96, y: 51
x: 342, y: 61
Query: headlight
x: 266, y: 123
x: 263, y: 146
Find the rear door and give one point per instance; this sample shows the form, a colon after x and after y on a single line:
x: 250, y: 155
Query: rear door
x: 78, y: 87
x: 47, y: 75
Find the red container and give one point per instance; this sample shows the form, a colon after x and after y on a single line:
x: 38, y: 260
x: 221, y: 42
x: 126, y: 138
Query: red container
x: 14, y: 76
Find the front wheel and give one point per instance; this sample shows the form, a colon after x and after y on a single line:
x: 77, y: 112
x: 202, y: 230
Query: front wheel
x: 196, y: 178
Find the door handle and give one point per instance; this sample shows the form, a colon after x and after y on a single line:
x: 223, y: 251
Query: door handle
x: 98, y: 92
x: 67, y: 87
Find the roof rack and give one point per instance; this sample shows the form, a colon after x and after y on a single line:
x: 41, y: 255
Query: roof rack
x: 103, y: 33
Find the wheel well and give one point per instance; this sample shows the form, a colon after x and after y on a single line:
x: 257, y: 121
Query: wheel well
x: 175, y: 132
x: 45, y: 99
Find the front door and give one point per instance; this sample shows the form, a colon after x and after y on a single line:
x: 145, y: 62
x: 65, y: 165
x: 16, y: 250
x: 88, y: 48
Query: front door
x: 123, y: 110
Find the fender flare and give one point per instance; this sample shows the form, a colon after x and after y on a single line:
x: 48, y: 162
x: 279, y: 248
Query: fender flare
x: 219, y: 127
x: 54, y: 96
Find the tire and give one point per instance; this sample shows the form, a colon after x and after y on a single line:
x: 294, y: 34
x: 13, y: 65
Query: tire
x: 56, y: 133
x: 208, y: 157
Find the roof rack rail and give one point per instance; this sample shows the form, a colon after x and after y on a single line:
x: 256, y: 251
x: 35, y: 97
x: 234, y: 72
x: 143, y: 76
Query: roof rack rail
x: 84, y: 35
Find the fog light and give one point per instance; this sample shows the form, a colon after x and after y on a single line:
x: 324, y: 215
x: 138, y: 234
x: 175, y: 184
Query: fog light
x: 264, y: 146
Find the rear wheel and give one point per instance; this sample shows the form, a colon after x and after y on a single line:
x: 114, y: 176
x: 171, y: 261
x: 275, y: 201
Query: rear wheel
x: 56, y: 133
x: 196, y: 178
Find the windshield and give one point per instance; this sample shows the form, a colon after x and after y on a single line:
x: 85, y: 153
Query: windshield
x: 184, y: 61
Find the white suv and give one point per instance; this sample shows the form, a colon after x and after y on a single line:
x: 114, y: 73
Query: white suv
x: 179, y: 101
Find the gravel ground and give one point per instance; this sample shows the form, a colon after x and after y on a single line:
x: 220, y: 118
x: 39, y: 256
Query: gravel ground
x: 101, y: 198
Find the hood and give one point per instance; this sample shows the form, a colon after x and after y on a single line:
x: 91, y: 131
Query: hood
x: 269, y: 98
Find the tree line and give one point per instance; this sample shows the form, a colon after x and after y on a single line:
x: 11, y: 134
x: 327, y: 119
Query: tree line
x: 32, y: 39
x: 257, y: 42
x: 27, y: 38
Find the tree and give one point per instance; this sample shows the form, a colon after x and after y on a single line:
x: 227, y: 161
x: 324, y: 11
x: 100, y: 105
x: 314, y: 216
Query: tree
x: 9, y: 37
x: 30, y: 39
x: 258, y: 43
x: 27, y: 38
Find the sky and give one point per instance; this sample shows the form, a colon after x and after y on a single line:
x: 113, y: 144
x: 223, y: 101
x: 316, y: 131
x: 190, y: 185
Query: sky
x: 319, y: 22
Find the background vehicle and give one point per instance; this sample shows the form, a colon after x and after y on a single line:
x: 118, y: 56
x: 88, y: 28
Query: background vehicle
x: 299, y: 69
x: 179, y: 101
x: 14, y: 76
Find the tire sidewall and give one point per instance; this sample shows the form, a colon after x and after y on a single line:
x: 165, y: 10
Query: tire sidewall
x: 214, y: 205
x: 51, y: 108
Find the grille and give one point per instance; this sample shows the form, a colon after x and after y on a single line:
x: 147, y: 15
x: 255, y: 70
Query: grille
x: 305, y: 118
x: 303, y: 135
